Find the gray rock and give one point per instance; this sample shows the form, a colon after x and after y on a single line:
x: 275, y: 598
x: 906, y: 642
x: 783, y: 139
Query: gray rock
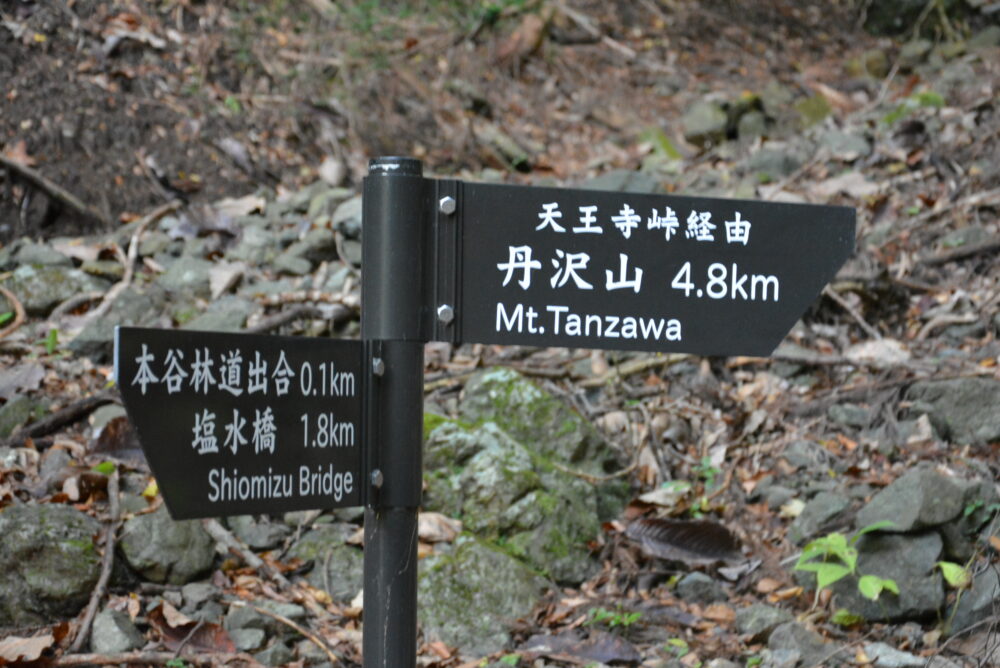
x: 243, y: 617
x: 818, y: 516
x: 338, y: 569
x: 759, y: 620
x: 705, y: 123
x: 774, y: 162
x: 919, y: 499
x: 109, y: 270
x: 291, y: 264
x: 780, y: 658
x: 210, y: 612
x: 468, y: 598
x: 227, y: 314
x: 987, y: 38
x: 136, y: 306
x: 845, y: 145
x: 41, y: 288
x: 165, y: 550
x: 886, y: 656
x: 48, y: 564
x: 40, y: 254
x: 113, y: 632
x: 700, y: 588
x: 15, y: 413
x: 977, y: 509
x: 962, y: 410
x: 625, y: 181
x: 197, y: 593
x: 776, y: 496
x: 187, y: 274
x: 849, y: 415
x: 324, y: 204
x: 278, y: 654
x: 257, y: 244
x: 908, y: 560
x: 811, y: 647
x: 978, y: 603
x: 53, y: 468
x: 259, y: 533
x: 752, y: 125
x: 807, y: 455
x: 347, y: 218
x: 247, y: 640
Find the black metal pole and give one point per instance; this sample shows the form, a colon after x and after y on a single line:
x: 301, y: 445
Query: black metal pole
x: 394, y: 322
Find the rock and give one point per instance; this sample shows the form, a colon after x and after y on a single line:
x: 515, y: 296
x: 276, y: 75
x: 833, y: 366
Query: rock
x: 780, y: 658
x: 773, y: 162
x: 751, y: 125
x: 849, y: 415
x: 257, y: 244
x: 921, y: 498
x: 811, y: 647
x: 986, y: 38
x: 978, y: 603
x: 876, y: 63
x: 962, y: 410
x: 700, y: 588
x: 914, y: 52
x: 242, y: 617
x: 339, y: 568
x: 807, y: 455
x: 136, y: 306
x: 36, y: 254
x: 165, y: 550
x: 227, y: 314
x: 759, y: 620
x: 15, y: 413
x: 845, y: 146
x: 885, y: 656
x: 812, y: 110
x: 55, y: 468
x: 908, y: 560
x: 41, y: 288
x: 625, y: 181
x: 187, y: 274
x: 197, y: 593
x: 978, y: 502
x: 347, y: 218
x: 259, y: 533
x: 292, y: 265
x: 113, y: 632
x: 818, y: 515
x: 469, y: 597
x: 278, y: 654
x: 48, y: 563
x: 103, y: 415
x: 705, y: 123
x: 247, y: 640
x: 107, y: 269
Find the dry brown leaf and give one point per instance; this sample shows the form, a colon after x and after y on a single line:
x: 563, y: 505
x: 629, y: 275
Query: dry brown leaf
x: 14, y: 649
x: 18, y: 152
x: 525, y: 39
x: 995, y: 542
x: 693, y: 542
x: 437, y: 528
x: 767, y: 585
x: 719, y: 612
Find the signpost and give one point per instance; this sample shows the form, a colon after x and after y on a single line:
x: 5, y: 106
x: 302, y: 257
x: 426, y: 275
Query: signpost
x: 240, y: 424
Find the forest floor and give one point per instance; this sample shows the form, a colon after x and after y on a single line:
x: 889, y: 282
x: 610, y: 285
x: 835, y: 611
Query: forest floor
x: 131, y: 105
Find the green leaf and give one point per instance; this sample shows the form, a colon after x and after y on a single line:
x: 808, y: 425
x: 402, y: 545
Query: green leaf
x: 876, y: 526
x: 678, y: 646
x: 661, y: 143
x: 954, y: 574
x: 845, y: 617
x: 870, y: 586
x: 4, y: 317
x: 829, y: 574
x: 754, y: 661
x: 51, y: 341
x: 510, y: 659
x: 105, y: 468
x: 929, y: 98
x: 891, y: 585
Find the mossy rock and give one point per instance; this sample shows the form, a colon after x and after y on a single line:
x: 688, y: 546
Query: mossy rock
x: 469, y: 597
x: 338, y: 567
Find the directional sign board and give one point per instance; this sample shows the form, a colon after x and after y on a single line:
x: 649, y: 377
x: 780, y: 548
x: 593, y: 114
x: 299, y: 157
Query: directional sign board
x: 591, y: 269
x: 236, y: 424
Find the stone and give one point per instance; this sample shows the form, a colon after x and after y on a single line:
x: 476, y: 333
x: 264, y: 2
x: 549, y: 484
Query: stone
x: 227, y: 314
x: 41, y: 255
x: 978, y: 505
x: 849, y: 415
x: 247, y: 640
x: 921, y: 498
x: 813, y: 109
x: 15, y: 413
x: 339, y: 567
x: 292, y: 265
x: 773, y: 162
x: 811, y: 647
x: 136, y: 306
x: 978, y: 603
x: 41, y: 288
x: 259, y: 533
x: 165, y: 550
x: 962, y: 410
x: 187, y: 274
x: 469, y: 597
x: 705, y: 123
x: 347, y: 218
x: 886, y: 656
x: 278, y: 654
x: 759, y: 620
x: 910, y: 561
x: 48, y: 563
x: 257, y: 244
x: 751, y: 125
x: 243, y: 617
x: 845, y: 146
x: 987, y: 38
x: 625, y: 181
x: 107, y: 269
x: 197, y: 593
x: 113, y: 632
x: 807, y: 455
x: 780, y: 658
x: 818, y: 516
x: 700, y: 588
x: 103, y: 415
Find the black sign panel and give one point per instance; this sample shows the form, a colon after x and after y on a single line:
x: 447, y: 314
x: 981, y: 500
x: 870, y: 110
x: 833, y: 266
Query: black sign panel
x: 592, y: 269
x: 236, y: 424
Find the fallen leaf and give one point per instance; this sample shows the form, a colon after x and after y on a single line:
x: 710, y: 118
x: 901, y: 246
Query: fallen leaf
x: 525, y: 39
x: 118, y: 439
x: 767, y: 585
x: 690, y: 541
x: 22, y: 378
x: 853, y: 184
x: 719, y: 612
x: 880, y: 352
x: 234, y: 207
x: 437, y: 528
x: 174, y: 630
x: 995, y: 542
x: 792, y: 509
x: 224, y: 276
x: 18, y: 152
x: 14, y: 649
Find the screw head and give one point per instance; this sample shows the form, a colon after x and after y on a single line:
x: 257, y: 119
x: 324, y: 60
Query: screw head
x: 447, y: 205
x: 377, y: 478
x: 445, y: 313
x: 378, y: 366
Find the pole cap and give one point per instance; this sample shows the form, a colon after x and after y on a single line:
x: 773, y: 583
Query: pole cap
x: 395, y: 166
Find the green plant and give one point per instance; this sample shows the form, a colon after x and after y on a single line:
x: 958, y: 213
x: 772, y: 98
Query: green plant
x: 51, y: 342
x: 844, y: 617
x: 175, y: 663
x: 4, y: 317
x: 955, y: 575
x: 754, y: 661
x: 706, y: 471
x: 613, y: 618
x: 105, y: 468
x: 677, y: 646
x: 833, y: 557
x: 510, y: 659
x: 927, y: 98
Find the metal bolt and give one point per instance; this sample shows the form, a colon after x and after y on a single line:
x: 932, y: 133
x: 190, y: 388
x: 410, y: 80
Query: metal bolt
x: 377, y: 478
x: 378, y: 366
x: 445, y: 313
x: 446, y: 205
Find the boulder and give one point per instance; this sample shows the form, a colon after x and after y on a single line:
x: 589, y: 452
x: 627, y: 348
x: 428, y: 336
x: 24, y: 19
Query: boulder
x: 259, y: 533
x: 165, y: 550
x: 136, y: 306
x: 469, y: 597
x: 962, y: 410
x: 910, y: 561
x: 41, y: 288
x: 920, y: 499
x: 48, y: 563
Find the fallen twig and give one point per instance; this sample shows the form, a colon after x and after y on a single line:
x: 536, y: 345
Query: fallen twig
x: 18, y: 313
x: 962, y: 252
x: 633, y: 366
x: 337, y: 315
x: 152, y: 658
x: 227, y: 540
x: 835, y: 296
x: 54, y: 191
x: 67, y: 416
x: 292, y: 625
x: 107, y: 561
